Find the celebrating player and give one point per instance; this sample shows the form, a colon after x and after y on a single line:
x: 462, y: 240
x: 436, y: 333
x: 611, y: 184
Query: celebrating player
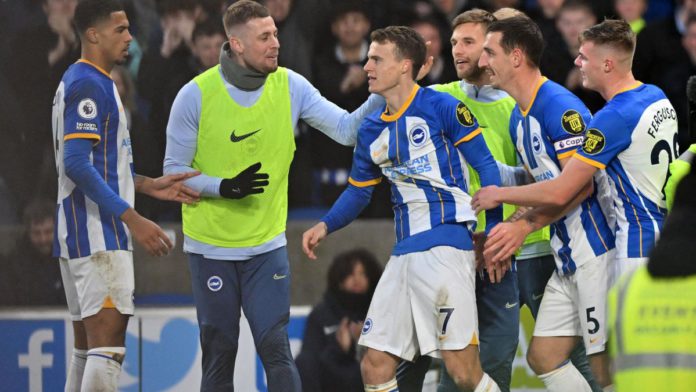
x: 425, y: 302
x: 634, y: 137
x: 95, y: 197
x: 546, y: 126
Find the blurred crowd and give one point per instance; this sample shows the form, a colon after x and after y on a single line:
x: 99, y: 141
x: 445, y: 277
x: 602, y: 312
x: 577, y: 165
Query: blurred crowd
x: 324, y: 40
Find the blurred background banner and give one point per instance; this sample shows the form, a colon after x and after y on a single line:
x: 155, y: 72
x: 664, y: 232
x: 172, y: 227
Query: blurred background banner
x: 162, y: 354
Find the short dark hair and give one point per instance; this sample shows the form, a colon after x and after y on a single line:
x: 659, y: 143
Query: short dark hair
x: 613, y: 32
x: 90, y: 12
x: 344, y: 263
x: 38, y: 211
x: 208, y: 28
x: 475, y: 15
x: 577, y: 5
x: 408, y: 44
x: 241, y: 12
x: 345, y: 7
x: 168, y: 7
x: 522, y: 33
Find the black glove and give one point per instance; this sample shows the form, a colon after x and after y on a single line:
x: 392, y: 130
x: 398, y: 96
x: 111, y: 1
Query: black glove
x: 248, y: 182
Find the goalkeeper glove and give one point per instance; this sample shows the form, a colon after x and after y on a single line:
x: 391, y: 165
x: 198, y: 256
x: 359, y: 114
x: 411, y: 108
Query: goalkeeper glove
x: 248, y: 182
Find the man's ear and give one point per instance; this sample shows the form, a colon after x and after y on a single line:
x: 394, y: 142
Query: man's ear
x: 91, y: 36
x: 236, y: 45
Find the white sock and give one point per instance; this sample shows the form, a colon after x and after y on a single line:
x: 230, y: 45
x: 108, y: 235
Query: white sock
x: 565, y: 379
x: 77, y: 368
x: 487, y: 385
x: 389, y: 386
x: 102, y: 369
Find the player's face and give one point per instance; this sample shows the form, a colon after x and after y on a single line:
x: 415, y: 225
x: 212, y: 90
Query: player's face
x: 357, y: 282
x: 495, y: 61
x: 467, y: 45
x: 41, y: 235
x: 591, y: 64
x: 114, y: 38
x: 383, y: 67
x: 259, y: 45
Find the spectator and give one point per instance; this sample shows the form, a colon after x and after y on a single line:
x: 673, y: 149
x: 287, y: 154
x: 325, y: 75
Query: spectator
x: 340, y: 78
x: 658, y: 44
x: 442, y: 70
x: 40, y: 55
x: 31, y: 276
x: 632, y: 12
x: 328, y: 360
x: 207, y: 41
x: 674, y: 77
x: 557, y: 61
x: 545, y: 16
x: 164, y: 69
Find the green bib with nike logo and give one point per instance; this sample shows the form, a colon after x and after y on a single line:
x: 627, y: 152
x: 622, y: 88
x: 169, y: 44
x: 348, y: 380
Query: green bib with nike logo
x: 494, y: 120
x: 230, y: 139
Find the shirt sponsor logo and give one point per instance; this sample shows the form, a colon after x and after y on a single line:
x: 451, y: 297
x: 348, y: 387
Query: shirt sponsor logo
x: 87, y: 109
x: 86, y: 127
x: 410, y: 168
x: 464, y: 115
x: 594, y: 141
x: 572, y: 122
x: 214, y: 283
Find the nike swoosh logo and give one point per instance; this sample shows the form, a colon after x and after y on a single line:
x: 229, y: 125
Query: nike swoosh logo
x: 234, y: 138
x: 330, y: 329
x: 278, y: 277
x: 536, y: 297
x: 509, y: 305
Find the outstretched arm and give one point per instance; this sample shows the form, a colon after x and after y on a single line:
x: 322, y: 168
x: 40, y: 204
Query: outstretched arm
x: 324, y: 115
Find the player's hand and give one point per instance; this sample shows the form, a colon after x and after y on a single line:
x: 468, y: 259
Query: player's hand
x: 485, y: 199
x: 248, y: 182
x: 312, y: 237
x: 496, y: 271
x: 171, y: 187
x: 147, y: 233
x: 504, y: 240
x: 427, y: 65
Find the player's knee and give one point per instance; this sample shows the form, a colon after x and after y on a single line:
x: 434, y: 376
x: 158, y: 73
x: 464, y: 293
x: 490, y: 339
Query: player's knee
x: 535, y: 360
x: 374, y: 365
x: 274, y: 349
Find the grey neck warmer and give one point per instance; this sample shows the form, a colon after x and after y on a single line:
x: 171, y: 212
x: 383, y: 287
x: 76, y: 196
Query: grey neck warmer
x: 243, y: 78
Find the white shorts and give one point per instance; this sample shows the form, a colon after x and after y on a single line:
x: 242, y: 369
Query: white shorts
x: 623, y: 266
x: 575, y: 305
x: 101, y: 280
x: 424, y: 302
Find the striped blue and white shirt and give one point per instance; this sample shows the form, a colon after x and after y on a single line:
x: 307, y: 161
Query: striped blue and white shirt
x: 87, y: 106
x: 635, y: 138
x: 550, y: 130
x: 423, y: 150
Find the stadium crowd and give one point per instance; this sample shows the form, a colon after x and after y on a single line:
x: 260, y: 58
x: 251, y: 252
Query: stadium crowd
x: 175, y: 40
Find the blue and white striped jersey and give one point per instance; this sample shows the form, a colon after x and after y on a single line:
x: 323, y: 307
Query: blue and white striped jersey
x: 87, y: 105
x: 552, y: 129
x: 416, y: 150
x: 635, y: 137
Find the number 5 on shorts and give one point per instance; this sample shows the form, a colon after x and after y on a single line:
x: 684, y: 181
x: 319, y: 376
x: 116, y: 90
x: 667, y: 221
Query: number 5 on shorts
x: 592, y: 320
x: 447, y: 312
